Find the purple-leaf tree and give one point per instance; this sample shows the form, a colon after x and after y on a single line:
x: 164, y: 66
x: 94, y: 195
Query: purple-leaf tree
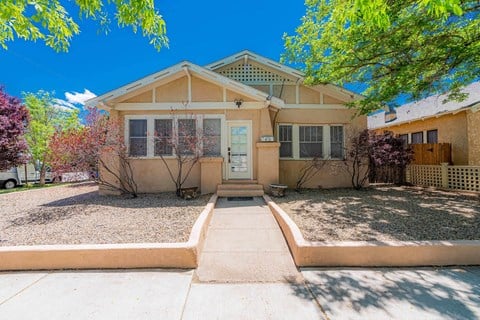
x: 13, y: 121
x: 389, y: 157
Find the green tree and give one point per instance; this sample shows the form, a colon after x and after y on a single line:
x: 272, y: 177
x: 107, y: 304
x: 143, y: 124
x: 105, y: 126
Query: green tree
x: 49, y: 21
x: 45, y: 119
x: 399, y: 49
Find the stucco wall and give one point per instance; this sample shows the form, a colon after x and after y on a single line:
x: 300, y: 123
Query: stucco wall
x: 451, y: 129
x: 333, y: 174
x: 473, y: 120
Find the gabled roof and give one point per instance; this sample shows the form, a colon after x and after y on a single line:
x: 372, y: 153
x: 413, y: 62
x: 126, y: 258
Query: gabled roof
x: 184, y: 67
x: 248, y: 55
x: 432, y: 106
x: 299, y: 76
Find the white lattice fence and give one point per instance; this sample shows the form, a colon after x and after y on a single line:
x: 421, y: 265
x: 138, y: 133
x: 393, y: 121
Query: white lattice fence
x: 445, y: 176
x: 425, y: 175
x: 463, y: 178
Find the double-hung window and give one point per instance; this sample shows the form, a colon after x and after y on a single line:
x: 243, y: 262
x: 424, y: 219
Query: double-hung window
x: 286, y: 141
x: 432, y: 136
x: 137, y: 130
x: 336, y: 142
x: 163, y: 137
x: 212, y: 137
x: 311, y: 141
x: 187, y: 136
x: 417, y: 137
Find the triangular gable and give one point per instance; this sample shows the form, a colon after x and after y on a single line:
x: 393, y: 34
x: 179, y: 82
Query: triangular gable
x: 175, y: 72
x: 252, y: 69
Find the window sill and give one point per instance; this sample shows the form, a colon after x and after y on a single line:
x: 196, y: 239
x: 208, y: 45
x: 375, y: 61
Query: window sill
x: 310, y: 159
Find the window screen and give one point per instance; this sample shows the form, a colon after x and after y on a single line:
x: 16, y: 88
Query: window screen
x: 137, y: 138
x: 163, y: 136
x: 432, y: 136
x: 336, y: 142
x: 212, y: 137
x: 404, y: 138
x: 285, y: 139
x: 311, y: 141
x: 417, y: 137
x: 187, y: 139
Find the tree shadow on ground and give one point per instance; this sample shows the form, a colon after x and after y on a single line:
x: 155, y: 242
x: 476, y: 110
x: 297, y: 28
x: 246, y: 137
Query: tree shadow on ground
x: 93, y: 202
x: 397, y: 294
x: 399, y: 213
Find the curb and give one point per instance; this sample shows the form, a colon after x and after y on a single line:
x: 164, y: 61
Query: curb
x: 112, y: 256
x: 373, y: 253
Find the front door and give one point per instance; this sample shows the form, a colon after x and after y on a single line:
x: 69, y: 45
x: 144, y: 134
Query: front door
x: 239, y: 153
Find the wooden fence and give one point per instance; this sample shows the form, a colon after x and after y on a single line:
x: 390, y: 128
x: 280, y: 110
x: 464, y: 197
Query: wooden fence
x: 431, y: 153
x: 445, y: 176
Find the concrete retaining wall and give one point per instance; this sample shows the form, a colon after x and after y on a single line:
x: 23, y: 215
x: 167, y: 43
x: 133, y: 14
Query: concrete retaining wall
x: 373, y: 253
x: 112, y: 256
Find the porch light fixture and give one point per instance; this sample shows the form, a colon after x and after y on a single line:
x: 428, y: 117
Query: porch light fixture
x: 238, y: 102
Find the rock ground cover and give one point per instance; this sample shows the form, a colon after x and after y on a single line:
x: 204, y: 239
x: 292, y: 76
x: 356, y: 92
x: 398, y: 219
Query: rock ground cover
x: 384, y: 213
x: 77, y: 214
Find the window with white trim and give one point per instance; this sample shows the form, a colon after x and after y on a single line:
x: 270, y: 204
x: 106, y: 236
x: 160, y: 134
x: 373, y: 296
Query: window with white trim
x: 417, y: 137
x: 212, y: 134
x: 286, y: 141
x: 137, y: 138
x: 302, y: 141
x: 163, y: 137
x: 155, y: 135
x: 311, y: 141
x: 187, y: 136
x: 336, y: 142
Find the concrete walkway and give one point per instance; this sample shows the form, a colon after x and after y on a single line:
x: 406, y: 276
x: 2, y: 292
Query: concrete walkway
x: 246, y: 270
x: 245, y: 244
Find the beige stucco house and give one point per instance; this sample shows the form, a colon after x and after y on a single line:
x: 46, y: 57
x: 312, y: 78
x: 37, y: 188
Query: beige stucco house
x: 433, y: 120
x: 265, y: 122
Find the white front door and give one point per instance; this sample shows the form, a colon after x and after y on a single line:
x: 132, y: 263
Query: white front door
x: 239, y: 152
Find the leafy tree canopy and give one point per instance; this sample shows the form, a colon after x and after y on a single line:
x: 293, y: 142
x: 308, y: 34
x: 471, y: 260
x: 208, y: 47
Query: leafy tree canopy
x: 45, y: 119
x: 13, y: 120
x: 411, y: 48
x: 49, y: 21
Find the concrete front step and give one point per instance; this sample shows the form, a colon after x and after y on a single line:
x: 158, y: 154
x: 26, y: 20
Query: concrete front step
x: 240, y: 190
x: 240, y: 193
x: 239, y: 187
x: 240, y: 181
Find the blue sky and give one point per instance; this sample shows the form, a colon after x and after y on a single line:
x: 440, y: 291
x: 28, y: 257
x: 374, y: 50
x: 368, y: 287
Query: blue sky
x: 199, y: 31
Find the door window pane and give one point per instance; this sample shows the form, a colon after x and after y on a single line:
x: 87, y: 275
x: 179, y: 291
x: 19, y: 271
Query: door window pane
x: 311, y: 141
x: 239, y: 149
x: 137, y: 138
x: 285, y: 139
x: 163, y: 136
x: 432, y: 136
x: 212, y: 139
x: 417, y: 137
x: 336, y: 142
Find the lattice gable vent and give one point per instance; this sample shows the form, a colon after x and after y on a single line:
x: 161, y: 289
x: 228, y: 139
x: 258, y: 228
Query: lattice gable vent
x: 248, y: 73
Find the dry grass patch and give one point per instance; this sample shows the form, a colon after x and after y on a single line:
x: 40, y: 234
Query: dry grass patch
x: 384, y: 214
x: 77, y: 214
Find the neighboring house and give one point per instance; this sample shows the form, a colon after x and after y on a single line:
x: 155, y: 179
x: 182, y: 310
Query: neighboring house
x: 266, y: 123
x: 432, y: 121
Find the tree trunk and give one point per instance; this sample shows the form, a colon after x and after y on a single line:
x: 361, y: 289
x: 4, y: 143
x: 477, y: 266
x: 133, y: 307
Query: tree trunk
x: 43, y: 171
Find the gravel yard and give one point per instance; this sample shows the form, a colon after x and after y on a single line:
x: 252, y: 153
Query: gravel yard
x: 77, y: 214
x: 383, y: 214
